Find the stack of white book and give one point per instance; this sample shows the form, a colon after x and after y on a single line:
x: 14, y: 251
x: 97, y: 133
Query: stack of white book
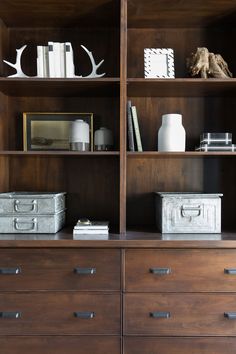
x: 94, y: 230
x: 55, y: 60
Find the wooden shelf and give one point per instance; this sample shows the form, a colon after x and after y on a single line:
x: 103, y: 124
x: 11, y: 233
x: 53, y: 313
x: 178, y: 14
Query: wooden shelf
x: 59, y: 153
x: 42, y: 87
x: 189, y: 87
x: 156, y: 154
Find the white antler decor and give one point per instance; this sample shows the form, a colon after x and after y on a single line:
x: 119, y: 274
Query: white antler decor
x: 95, y: 66
x: 17, y: 65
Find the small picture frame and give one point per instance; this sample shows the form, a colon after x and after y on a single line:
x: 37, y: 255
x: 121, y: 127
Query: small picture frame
x: 50, y: 131
x: 159, y: 63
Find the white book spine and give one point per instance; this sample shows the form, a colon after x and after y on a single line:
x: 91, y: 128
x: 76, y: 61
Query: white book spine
x: 51, y: 59
x: 90, y: 232
x: 90, y: 237
x: 40, y: 71
x: 57, y: 60
x: 45, y: 62
x: 62, y: 60
x: 69, y: 59
x: 136, y: 128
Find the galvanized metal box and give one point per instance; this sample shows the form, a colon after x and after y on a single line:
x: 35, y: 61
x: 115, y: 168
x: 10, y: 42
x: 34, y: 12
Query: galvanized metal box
x: 188, y: 212
x: 42, y: 224
x: 31, y: 212
x: 31, y: 203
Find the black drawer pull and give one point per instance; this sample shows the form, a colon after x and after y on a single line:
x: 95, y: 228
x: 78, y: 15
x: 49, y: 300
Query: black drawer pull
x: 16, y: 270
x: 230, y: 315
x: 85, y: 270
x: 231, y: 271
x: 84, y: 315
x: 160, y: 314
x: 160, y: 271
x: 7, y: 314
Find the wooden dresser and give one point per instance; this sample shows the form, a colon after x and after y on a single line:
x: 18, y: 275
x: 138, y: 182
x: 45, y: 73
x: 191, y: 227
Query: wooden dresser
x: 134, y: 294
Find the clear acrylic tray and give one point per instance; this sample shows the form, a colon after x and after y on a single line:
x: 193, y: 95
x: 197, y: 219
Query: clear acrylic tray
x: 216, y: 138
x: 206, y: 147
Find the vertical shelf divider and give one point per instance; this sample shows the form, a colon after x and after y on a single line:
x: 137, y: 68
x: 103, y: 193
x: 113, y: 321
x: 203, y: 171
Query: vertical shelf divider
x: 123, y: 95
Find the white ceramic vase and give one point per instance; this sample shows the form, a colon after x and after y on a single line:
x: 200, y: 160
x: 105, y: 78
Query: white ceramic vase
x: 171, y: 135
x: 103, y: 139
x: 79, y: 136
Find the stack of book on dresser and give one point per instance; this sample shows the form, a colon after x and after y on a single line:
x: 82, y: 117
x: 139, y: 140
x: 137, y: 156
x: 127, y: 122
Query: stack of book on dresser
x: 95, y: 230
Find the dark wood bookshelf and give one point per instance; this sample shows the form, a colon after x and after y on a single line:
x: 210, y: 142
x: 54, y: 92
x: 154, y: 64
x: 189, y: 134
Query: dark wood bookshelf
x: 53, y: 275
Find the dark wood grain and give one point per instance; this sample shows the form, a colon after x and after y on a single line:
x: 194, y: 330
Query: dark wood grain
x: 179, y: 13
x: 60, y: 344
x: 143, y: 345
x: 84, y: 13
x: 4, y: 176
x: 105, y: 110
x: 4, y: 44
x: 146, y: 176
x: 43, y: 87
x: 190, y: 270
x: 123, y: 110
x: 59, y: 153
x: 184, y: 87
x: 134, y: 239
x: 190, y: 314
x: 53, y: 313
x: 183, y: 41
x: 103, y: 42
x: 54, y: 269
x: 77, y: 177
x: 171, y: 155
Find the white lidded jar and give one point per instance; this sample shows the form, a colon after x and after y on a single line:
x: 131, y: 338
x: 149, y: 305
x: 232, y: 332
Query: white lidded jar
x: 171, y: 135
x: 79, y: 136
x: 103, y: 139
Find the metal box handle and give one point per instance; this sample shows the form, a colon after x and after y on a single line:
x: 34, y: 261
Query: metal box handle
x: 191, y: 211
x: 32, y: 225
x: 20, y: 207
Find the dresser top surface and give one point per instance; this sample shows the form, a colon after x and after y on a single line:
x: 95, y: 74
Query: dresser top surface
x: 134, y: 239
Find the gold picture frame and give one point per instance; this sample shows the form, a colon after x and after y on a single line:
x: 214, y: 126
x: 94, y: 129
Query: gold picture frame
x: 46, y: 131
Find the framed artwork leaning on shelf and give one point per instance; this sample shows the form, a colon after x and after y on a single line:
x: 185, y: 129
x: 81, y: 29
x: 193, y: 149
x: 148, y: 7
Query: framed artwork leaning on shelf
x: 51, y: 131
x: 159, y: 63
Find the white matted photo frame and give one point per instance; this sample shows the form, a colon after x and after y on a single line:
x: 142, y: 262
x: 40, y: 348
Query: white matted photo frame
x: 159, y: 63
x: 50, y: 131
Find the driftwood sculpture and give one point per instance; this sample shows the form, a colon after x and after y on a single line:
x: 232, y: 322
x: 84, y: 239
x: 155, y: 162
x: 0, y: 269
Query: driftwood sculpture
x: 208, y: 64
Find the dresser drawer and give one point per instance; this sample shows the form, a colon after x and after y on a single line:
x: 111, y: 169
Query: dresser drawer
x: 59, y: 313
x: 66, y: 269
x: 180, y: 270
x: 139, y: 345
x: 60, y: 345
x: 180, y: 314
